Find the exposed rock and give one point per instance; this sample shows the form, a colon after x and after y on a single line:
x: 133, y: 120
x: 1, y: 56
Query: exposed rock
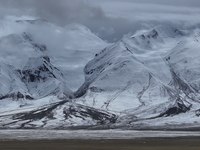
x: 197, y: 112
x: 177, y: 108
x: 16, y: 96
x: 80, y: 111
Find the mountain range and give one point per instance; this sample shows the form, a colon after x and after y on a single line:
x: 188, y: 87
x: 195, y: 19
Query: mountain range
x: 68, y: 78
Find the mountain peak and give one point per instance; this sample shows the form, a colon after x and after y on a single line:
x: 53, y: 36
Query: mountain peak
x: 147, y: 78
x: 160, y: 31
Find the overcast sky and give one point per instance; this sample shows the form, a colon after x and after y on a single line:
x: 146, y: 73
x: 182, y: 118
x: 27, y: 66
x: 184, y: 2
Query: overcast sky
x: 109, y: 19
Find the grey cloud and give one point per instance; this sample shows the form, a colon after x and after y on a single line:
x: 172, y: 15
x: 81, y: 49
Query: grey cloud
x: 179, y: 13
x: 191, y: 3
x: 110, y: 19
x: 57, y: 11
x: 60, y: 12
x: 63, y: 12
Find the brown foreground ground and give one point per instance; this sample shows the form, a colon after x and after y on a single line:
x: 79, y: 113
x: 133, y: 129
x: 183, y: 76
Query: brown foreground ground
x: 186, y: 143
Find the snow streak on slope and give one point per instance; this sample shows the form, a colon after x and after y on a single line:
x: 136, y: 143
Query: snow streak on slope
x: 53, y: 77
x: 137, y: 78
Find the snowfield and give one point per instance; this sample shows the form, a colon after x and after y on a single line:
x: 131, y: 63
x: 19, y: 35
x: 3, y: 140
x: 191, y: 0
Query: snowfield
x: 89, y: 134
x: 68, y: 78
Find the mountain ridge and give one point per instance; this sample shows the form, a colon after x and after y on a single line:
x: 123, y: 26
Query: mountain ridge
x: 149, y: 76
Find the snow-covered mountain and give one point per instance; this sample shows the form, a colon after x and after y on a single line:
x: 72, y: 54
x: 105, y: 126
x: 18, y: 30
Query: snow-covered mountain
x: 53, y: 77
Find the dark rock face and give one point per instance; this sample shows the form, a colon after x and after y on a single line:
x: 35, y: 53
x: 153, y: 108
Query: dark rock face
x: 16, y: 96
x: 154, y: 34
x: 39, y: 113
x: 70, y: 110
x: 42, y: 48
x: 177, y: 108
x: 36, y: 75
x: 80, y: 111
x: 47, y: 58
x: 96, y: 89
x: 197, y: 112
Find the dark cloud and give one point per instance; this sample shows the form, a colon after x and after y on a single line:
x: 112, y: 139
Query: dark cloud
x: 60, y: 12
x: 57, y: 11
x: 191, y: 3
x: 110, y: 19
x: 131, y: 15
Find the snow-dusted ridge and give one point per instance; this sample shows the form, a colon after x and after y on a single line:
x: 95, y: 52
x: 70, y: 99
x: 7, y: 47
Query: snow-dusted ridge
x: 53, y: 77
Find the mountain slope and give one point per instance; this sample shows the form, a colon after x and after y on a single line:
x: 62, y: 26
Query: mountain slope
x: 68, y: 48
x: 43, y: 79
x: 146, y: 80
x: 53, y: 77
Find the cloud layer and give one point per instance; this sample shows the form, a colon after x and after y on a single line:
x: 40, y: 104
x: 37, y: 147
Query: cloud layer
x: 110, y: 19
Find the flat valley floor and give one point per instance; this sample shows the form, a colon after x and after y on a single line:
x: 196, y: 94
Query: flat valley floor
x: 178, y: 143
